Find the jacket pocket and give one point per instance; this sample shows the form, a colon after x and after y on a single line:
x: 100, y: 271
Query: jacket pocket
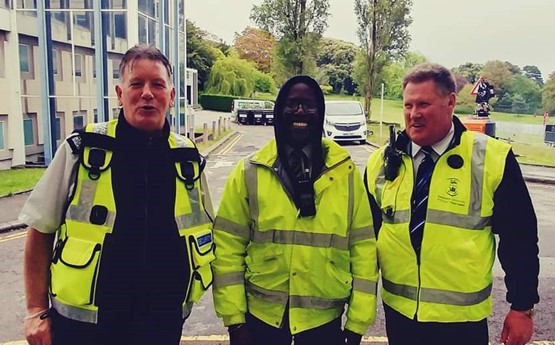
x: 74, y: 269
x: 201, y: 249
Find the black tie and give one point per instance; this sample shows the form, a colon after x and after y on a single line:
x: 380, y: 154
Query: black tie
x: 299, y: 165
x: 420, y: 198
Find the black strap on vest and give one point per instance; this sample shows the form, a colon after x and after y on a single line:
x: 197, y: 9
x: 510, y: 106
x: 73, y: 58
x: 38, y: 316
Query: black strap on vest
x: 99, y: 144
x: 187, y: 156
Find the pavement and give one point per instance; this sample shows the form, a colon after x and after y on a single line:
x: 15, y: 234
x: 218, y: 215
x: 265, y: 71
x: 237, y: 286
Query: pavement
x: 10, y: 206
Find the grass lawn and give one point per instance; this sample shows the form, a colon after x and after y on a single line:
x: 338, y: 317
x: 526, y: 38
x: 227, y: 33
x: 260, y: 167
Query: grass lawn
x: 18, y: 180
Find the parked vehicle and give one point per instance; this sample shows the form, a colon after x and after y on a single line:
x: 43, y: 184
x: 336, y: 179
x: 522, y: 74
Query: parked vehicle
x: 253, y: 112
x: 345, y: 121
x: 549, y: 138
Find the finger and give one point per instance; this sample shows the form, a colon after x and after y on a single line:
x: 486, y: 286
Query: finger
x: 504, y: 335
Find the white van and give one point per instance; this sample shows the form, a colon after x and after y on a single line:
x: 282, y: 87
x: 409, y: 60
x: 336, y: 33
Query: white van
x: 345, y: 121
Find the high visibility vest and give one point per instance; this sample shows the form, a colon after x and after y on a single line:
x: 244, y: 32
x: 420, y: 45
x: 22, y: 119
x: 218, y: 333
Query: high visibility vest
x: 92, y: 213
x: 453, y: 280
x: 307, y: 263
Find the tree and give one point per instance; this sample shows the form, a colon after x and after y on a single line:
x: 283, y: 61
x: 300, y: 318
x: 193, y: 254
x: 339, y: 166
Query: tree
x: 528, y: 90
x: 298, y: 25
x: 231, y: 75
x: 335, y: 63
x: 200, y: 54
x: 383, y: 34
x: 533, y: 73
x: 461, y: 81
x: 514, y: 69
x: 519, y: 104
x: 548, y: 94
x: 256, y: 46
x: 498, y: 74
x: 471, y: 71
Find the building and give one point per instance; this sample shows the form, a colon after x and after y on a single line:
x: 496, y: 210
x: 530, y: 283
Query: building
x: 59, y: 63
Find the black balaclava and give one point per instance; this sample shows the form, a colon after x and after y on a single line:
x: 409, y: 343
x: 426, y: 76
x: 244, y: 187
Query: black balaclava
x: 316, y: 125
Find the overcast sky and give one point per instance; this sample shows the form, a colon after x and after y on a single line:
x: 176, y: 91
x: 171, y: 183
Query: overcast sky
x: 449, y: 32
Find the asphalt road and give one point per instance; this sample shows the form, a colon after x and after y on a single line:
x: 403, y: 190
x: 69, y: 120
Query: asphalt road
x: 203, y: 322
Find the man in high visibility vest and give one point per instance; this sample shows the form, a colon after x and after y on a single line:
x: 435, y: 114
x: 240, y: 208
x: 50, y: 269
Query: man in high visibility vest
x: 438, y: 194
x: 126, y: 204
x: 294, y: 236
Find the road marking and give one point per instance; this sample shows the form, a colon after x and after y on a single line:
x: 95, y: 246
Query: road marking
x: 13, y: 236
x: 229, y: 146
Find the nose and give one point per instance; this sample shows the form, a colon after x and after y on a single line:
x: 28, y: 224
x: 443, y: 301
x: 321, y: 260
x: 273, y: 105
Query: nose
x: 147, y: 93
x: 300, y: 109
x: 414, y: 113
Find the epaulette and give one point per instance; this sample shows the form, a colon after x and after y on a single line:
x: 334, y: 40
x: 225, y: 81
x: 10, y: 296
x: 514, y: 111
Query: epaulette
x: 75, y: 141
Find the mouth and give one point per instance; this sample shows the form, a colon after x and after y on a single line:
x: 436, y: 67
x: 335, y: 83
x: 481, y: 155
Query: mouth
x: 147, y: 108
x: 300, y: 124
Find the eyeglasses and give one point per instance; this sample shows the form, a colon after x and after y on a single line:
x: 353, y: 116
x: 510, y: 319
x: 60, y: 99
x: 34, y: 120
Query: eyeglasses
x: 293, y: 106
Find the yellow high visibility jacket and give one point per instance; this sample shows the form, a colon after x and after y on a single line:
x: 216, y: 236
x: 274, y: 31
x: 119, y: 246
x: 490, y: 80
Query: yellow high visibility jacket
x: 78, y: 252
x: 452, y: 281
x: 268, y: 257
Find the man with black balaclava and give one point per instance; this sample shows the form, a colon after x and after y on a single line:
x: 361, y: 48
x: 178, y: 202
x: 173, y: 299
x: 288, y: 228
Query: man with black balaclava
x: 294, y: 237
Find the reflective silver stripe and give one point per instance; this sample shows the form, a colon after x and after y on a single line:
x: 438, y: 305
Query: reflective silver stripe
x: 351, y: 204
x: 477, y: 183
x: 74, y: 313
x: 267, y: 295
x: 227, y: 279
x: 455, y: 298
x: 191, y: 220
x: 100, y: 128
x: 180, y: 141
x: 280, y: 297
x: 300, y: 238
x: 437, y: 295
x: 400, y: 289
x: 380, y: 183
x: 251, y: 178
x: 365, y: 285
x: 82, y: 211
x: 228, y: 226
x: 473, y: 220
x: 468, y: 222
x: 361, y: 234
x: 399, y: 217
x: 197, y: 215
x: 311, y: 302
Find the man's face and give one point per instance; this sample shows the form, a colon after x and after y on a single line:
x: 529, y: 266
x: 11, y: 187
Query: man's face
x: 428, y: 114
x: 300, y: 113
x: 146, y: 93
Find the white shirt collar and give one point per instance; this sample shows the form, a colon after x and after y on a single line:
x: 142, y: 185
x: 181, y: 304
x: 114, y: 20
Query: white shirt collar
x: 440, y: 147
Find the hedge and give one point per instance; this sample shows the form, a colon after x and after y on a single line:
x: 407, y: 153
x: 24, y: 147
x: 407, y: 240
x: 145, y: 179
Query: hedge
x: 217, y: 102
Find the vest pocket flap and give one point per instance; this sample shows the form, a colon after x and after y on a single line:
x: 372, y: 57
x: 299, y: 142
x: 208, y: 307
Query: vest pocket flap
x: 201, y: 244
x: 78, y: 253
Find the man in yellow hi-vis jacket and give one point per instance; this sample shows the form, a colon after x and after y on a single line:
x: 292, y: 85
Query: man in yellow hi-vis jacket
x: 294, y: 235
x: 439, y: 193
x: 126, y: 204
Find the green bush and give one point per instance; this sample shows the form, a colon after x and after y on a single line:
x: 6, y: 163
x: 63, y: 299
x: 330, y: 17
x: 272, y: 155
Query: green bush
x: 217, y: 102
x: 326, y: 89
x: 463, y: 109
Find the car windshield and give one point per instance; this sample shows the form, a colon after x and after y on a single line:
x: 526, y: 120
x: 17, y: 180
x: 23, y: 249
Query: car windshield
x: 337, y: 109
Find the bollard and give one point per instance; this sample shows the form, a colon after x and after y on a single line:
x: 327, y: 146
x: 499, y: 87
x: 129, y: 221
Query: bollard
x: 214, y: 136
x: 205, y: 133
x: 219, y: 126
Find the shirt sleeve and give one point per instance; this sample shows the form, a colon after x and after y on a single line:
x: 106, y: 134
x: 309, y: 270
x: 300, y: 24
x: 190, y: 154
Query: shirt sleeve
x: 45, y: 207
x: 514, y: 220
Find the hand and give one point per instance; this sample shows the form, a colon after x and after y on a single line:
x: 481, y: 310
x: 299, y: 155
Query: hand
x: 38, y: 328
x: 352, y: 338
x: 239, y: 335
x: 517, y: 328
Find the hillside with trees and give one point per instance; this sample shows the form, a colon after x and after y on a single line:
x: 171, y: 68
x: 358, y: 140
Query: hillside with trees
x: 287, y: 39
